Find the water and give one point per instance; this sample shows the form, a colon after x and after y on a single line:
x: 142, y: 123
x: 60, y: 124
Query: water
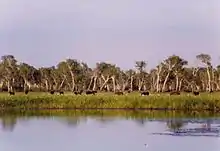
x: 110, y: 133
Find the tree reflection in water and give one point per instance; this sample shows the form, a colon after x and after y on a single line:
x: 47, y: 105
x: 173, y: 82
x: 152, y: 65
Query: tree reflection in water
x: 176, y: 128
x: 73, y: 121
x: 175, y: 124
x: 141, y: 121
x: 8, y: 123
x: 105, y: 120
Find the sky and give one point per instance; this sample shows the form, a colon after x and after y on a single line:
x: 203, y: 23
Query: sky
x: 44, y: 32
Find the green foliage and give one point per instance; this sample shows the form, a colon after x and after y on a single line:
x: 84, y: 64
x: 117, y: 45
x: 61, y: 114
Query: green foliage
x: 74, y: 75
x: 107, y: 100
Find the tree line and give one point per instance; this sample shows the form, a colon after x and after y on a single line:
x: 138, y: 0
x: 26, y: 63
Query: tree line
x: 172, y: 74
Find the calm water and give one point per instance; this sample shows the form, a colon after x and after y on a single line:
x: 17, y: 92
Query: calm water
x: 89, y: 133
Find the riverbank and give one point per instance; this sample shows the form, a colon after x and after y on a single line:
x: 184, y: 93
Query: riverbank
x: 187, y: 102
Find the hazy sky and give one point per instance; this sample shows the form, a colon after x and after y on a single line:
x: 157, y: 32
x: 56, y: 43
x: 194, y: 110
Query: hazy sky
x: 44, y: 32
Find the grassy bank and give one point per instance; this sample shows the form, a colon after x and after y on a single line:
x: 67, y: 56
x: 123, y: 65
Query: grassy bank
x: 109, y: 101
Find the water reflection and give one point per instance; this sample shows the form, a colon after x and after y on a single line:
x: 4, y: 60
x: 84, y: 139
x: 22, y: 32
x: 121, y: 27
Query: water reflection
x: 8, y: 123
x: 73, y: 121
x: 118, y: 131
x: 175, y: 126
x: 178, y: 127
x: 140, y: 121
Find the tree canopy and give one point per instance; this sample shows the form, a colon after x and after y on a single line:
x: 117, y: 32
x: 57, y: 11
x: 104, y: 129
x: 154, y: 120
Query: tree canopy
x: 71, y: 75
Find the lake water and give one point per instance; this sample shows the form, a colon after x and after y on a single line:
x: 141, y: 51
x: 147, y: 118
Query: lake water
x: 111, y: 133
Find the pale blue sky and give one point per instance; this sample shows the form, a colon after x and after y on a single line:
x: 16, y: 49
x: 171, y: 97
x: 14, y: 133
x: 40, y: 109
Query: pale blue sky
x: 95, y: 30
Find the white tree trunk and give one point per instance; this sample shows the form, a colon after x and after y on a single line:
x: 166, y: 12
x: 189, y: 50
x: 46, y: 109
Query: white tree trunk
x: 165, y: 81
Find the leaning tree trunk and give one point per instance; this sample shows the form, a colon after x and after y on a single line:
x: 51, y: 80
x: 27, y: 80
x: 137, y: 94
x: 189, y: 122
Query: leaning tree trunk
x: 27, y: 83
x: 94, y: 83
x: 124, y: 85
x: 158, y: 78
x: 90, y: 83
x: 140, y: 84
x: 158, y: 83
x: 56, y: 83
x: 105, y: 82
x: 61, y: 84
x: 72, y: 77
x: 165, y: 82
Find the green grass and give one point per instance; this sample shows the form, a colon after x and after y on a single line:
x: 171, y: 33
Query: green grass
x: 36, y: 100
